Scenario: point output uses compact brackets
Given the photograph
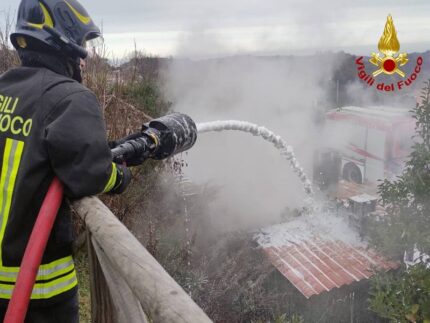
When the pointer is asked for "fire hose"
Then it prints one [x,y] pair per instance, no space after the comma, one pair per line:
[158,139]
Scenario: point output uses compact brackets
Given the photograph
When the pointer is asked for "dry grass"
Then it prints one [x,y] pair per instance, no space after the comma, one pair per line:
[8,57]
[82,269]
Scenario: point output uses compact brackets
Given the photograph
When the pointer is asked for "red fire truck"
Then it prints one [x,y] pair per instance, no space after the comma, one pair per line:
[363,145]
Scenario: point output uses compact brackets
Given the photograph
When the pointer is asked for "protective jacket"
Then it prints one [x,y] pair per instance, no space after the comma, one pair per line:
[50,125]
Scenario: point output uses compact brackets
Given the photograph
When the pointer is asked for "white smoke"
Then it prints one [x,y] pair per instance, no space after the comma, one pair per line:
[281,93]
[286,151]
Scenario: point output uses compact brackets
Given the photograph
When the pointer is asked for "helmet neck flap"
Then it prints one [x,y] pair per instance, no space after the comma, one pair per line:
[61,65]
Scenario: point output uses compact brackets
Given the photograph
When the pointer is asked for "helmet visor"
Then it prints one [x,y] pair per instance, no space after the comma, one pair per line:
[94,43]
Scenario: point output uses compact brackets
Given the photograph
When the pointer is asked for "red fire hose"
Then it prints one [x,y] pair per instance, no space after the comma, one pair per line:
[18,304]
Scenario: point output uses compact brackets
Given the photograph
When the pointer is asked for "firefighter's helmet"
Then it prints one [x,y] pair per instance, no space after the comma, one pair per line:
[61,25]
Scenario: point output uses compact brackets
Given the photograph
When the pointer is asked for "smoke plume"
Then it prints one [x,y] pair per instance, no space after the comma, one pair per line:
[281,93]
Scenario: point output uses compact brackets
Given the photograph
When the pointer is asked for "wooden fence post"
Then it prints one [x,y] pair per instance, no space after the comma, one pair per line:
[101,302]
[128,264]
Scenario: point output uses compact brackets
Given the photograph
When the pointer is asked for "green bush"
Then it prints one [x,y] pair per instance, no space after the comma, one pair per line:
[405,297]
[146,95]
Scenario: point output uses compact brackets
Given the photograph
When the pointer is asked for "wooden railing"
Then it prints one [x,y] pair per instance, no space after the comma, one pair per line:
[127,284]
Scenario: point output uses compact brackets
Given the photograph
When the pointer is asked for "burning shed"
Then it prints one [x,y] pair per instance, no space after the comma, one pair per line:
[324,265]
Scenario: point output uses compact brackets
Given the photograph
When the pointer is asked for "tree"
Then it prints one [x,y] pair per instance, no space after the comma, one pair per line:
[405,296]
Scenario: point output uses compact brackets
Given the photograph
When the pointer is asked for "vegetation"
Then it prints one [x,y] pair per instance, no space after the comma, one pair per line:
[8,57]
[147,94]
[405,297]
[82,269]
[406,200]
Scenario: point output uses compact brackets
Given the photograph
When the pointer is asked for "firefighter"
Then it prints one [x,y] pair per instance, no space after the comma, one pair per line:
[50,125]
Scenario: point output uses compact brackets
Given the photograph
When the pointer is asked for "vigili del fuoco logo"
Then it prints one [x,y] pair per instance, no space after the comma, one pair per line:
[388,62]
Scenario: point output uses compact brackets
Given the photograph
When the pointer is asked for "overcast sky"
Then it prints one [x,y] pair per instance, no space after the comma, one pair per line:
[226,27]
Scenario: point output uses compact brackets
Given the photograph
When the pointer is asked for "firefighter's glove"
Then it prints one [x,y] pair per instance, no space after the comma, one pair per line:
[123,178]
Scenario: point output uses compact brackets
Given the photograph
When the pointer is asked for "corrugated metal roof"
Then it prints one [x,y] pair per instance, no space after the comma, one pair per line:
[318,262]
[317,266]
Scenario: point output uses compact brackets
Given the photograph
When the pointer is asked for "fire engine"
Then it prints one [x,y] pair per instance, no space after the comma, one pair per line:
[362,145]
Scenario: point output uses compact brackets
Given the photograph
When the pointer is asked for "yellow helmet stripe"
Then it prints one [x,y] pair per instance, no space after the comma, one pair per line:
[84,19]
[48,19]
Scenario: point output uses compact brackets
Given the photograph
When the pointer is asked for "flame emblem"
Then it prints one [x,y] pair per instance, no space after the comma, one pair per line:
[389,45]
